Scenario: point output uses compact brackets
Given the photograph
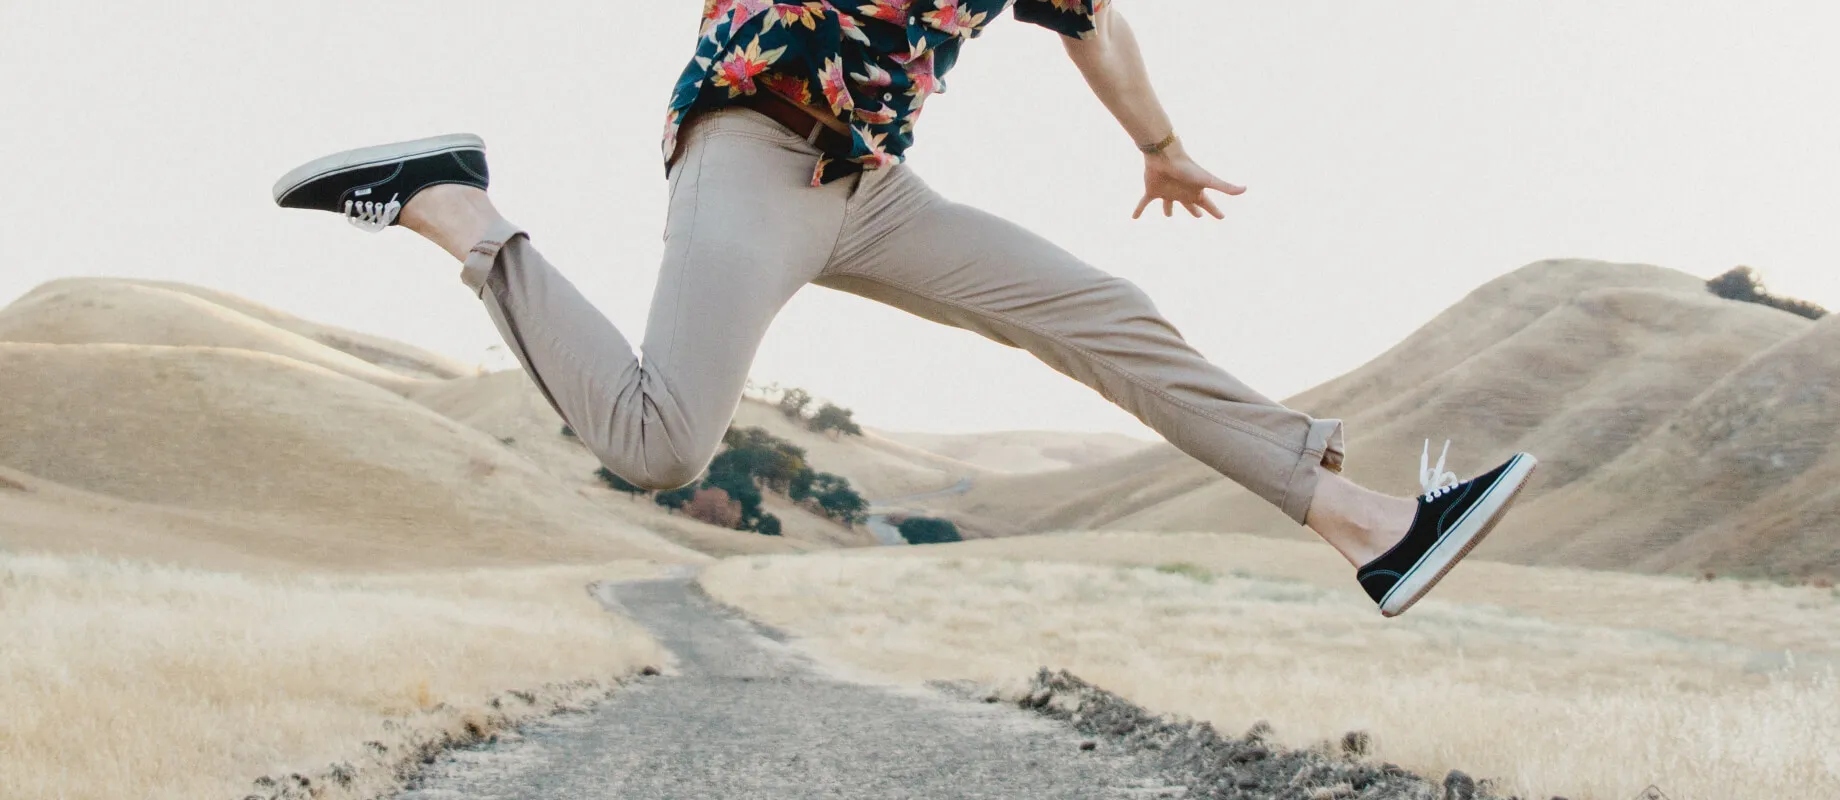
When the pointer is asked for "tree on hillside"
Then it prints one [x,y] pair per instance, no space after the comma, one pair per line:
[838,500]
[832,417]
[765,391]
[767,457]
[768,525]
[799,488]
[926,530]
[568,432]
[792,403]
[1744,284]
[618,483]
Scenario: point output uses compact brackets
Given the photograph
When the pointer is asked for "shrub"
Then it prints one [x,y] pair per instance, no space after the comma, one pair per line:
[739,486]
[768,525]
[568,432]
[926,530]
[1744,284]
[713,506]
[1194,572]
[676,498]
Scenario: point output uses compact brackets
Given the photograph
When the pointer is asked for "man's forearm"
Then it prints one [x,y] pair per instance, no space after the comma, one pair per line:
[1114,67]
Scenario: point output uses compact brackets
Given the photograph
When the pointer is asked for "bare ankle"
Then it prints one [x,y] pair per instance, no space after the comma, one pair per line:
[1388,520]
[453,216]
[1359,523]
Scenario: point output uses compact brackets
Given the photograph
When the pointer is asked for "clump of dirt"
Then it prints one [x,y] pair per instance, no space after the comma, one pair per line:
[1247,767]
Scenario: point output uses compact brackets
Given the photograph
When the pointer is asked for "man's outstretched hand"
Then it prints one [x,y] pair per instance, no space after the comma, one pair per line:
[1172,177]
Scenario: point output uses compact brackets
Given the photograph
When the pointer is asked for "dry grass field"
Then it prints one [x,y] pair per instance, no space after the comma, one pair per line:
[1553,682]
[122,680]
[367,542]
[359,541]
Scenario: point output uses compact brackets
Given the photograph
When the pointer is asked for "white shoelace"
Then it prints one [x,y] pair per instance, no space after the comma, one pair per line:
[372,216]
[1434,480]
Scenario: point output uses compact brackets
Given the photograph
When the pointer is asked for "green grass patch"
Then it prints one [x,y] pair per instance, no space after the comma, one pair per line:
[1194,572]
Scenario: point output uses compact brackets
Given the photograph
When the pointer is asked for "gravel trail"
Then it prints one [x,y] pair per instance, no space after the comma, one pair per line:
[744,715]
[887,533]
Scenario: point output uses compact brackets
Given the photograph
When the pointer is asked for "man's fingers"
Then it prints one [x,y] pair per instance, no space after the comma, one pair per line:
[1208,203]
[1169,207]
[1192,210]
[1141,205]
[1226,188]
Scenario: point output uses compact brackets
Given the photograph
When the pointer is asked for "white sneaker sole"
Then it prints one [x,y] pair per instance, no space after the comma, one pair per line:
[1460,539]
[372,156]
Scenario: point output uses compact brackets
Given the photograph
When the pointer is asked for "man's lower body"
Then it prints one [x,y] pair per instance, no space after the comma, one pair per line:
[745,231]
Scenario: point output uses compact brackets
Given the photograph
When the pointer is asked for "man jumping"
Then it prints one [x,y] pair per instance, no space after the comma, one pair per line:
[785,145]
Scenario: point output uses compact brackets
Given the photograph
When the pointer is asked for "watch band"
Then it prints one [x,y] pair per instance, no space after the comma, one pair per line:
[1153,149]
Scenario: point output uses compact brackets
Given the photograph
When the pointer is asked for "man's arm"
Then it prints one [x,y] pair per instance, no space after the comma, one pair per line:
[1114,67]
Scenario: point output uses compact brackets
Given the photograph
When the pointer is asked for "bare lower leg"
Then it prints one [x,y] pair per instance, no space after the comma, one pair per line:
[1358,522]
[451,215]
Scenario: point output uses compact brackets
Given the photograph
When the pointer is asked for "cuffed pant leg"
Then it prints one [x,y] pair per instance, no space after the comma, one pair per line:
[960,266]
[625,414]
[745,232]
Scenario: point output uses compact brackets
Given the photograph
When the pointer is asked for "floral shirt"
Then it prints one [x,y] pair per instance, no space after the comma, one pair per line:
[873,62]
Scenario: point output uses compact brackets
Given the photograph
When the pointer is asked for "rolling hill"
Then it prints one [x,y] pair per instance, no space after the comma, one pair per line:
[291,461]
[1023,451]
[1619,376]
[174,422]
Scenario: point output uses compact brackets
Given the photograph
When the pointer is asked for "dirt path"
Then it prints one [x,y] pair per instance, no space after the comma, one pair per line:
[745,715]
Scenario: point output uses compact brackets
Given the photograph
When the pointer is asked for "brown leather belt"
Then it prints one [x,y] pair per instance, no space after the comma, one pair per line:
[795,119]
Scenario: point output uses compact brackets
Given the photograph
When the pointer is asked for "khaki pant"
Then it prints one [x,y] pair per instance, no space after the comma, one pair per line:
[745,231]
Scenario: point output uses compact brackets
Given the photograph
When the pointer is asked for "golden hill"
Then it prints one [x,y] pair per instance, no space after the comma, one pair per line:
[1594,367]
[121,311]
[107,312]
[879,467]
[508,407]
[1745,477]
[175,422]
[290,461]
[1024,451]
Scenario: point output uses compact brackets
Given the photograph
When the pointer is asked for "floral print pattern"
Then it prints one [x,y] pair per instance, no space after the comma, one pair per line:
[873,62]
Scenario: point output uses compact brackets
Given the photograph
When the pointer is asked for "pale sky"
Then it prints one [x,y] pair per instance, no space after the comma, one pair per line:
[1399,155]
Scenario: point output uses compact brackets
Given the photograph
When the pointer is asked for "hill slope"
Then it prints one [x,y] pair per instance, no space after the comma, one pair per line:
[95,311]
[1746,477]
[1023,451]
[409,360]
[508,407]
[329,470]
[167,418]
[1592,366]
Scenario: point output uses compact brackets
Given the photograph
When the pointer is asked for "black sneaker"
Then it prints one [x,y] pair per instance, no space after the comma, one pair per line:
[1452,518]
[370,185]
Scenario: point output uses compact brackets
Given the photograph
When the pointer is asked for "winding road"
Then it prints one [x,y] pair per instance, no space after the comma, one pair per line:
[878,521]
[745,714]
